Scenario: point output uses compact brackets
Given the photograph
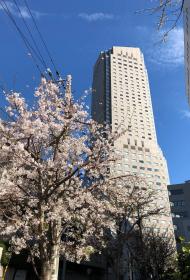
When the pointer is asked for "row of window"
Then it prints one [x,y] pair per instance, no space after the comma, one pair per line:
[140,167]
[177,203]
[143,168]
[175,227]
[145,175]
[126,58]
[183,214]
[127,63]
[145,162]
[133,89]
[176,192]
[130,79]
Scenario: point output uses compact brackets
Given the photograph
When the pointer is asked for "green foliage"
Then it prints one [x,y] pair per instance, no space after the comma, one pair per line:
[182,271]
[184,261]
[6,254]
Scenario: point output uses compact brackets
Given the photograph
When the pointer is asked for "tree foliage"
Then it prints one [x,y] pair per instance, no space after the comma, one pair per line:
[183,267]
[137,249]
[58,190]
[54,169]
[5,255]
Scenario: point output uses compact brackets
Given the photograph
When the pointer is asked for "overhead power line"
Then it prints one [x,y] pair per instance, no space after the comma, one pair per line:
[25,40]
[33,48]
[30,33]
[42,39]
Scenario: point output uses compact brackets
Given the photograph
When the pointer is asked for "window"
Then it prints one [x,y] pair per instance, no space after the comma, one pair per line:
[179,203]
[176,192]
[183,214]
[175,227]
[188,228]
[180,214]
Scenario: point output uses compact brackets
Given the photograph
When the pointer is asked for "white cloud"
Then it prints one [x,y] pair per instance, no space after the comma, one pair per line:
[24,11]
[96,16]
[170,52]
[166,54]
[186,114]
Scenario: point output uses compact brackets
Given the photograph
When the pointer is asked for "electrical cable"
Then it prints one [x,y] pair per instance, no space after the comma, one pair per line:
[30,33]
[42,39]
[27,44]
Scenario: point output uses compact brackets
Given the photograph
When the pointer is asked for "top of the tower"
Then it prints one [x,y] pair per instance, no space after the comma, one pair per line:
[128,51]
[132,52]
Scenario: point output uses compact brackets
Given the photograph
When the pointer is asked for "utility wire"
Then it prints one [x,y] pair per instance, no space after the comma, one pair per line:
[30,33]
[42,39]
[27,44]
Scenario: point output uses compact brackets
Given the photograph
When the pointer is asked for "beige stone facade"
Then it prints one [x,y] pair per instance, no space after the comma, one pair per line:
[121,97]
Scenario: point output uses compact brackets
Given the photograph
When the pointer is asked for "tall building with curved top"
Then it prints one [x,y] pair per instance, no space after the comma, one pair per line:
[121,97]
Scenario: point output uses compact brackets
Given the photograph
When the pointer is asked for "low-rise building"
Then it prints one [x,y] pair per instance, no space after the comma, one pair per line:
[179,196]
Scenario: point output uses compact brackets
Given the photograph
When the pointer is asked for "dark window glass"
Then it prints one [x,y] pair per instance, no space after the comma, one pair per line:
[176,192]
[188,228]
[181,214]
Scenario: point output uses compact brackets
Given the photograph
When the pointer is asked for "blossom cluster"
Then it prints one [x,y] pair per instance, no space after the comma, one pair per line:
[56,187]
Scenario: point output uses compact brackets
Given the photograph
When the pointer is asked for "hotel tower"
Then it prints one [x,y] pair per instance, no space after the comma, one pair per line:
[121,97]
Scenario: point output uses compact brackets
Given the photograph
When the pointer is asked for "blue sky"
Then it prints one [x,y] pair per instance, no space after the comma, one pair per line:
[76,31]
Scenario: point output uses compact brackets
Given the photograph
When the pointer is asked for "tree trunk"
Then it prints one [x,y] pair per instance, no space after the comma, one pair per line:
[50,268]
[55,263]
[45,271]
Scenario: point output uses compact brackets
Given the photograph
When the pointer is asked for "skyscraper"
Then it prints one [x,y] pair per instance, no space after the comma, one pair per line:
[186,24]
[121,97]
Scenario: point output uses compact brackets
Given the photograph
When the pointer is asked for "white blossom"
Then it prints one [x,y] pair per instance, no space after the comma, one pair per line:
[55,184]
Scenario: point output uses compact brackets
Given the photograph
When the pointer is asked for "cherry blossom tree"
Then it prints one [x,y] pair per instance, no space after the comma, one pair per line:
[59,193]
[132,220]
[169,13]
[54,177]
[153,254]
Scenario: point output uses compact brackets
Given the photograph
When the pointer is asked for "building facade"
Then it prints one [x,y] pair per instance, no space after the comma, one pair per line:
[121,97]
[186,24]
[179,196]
